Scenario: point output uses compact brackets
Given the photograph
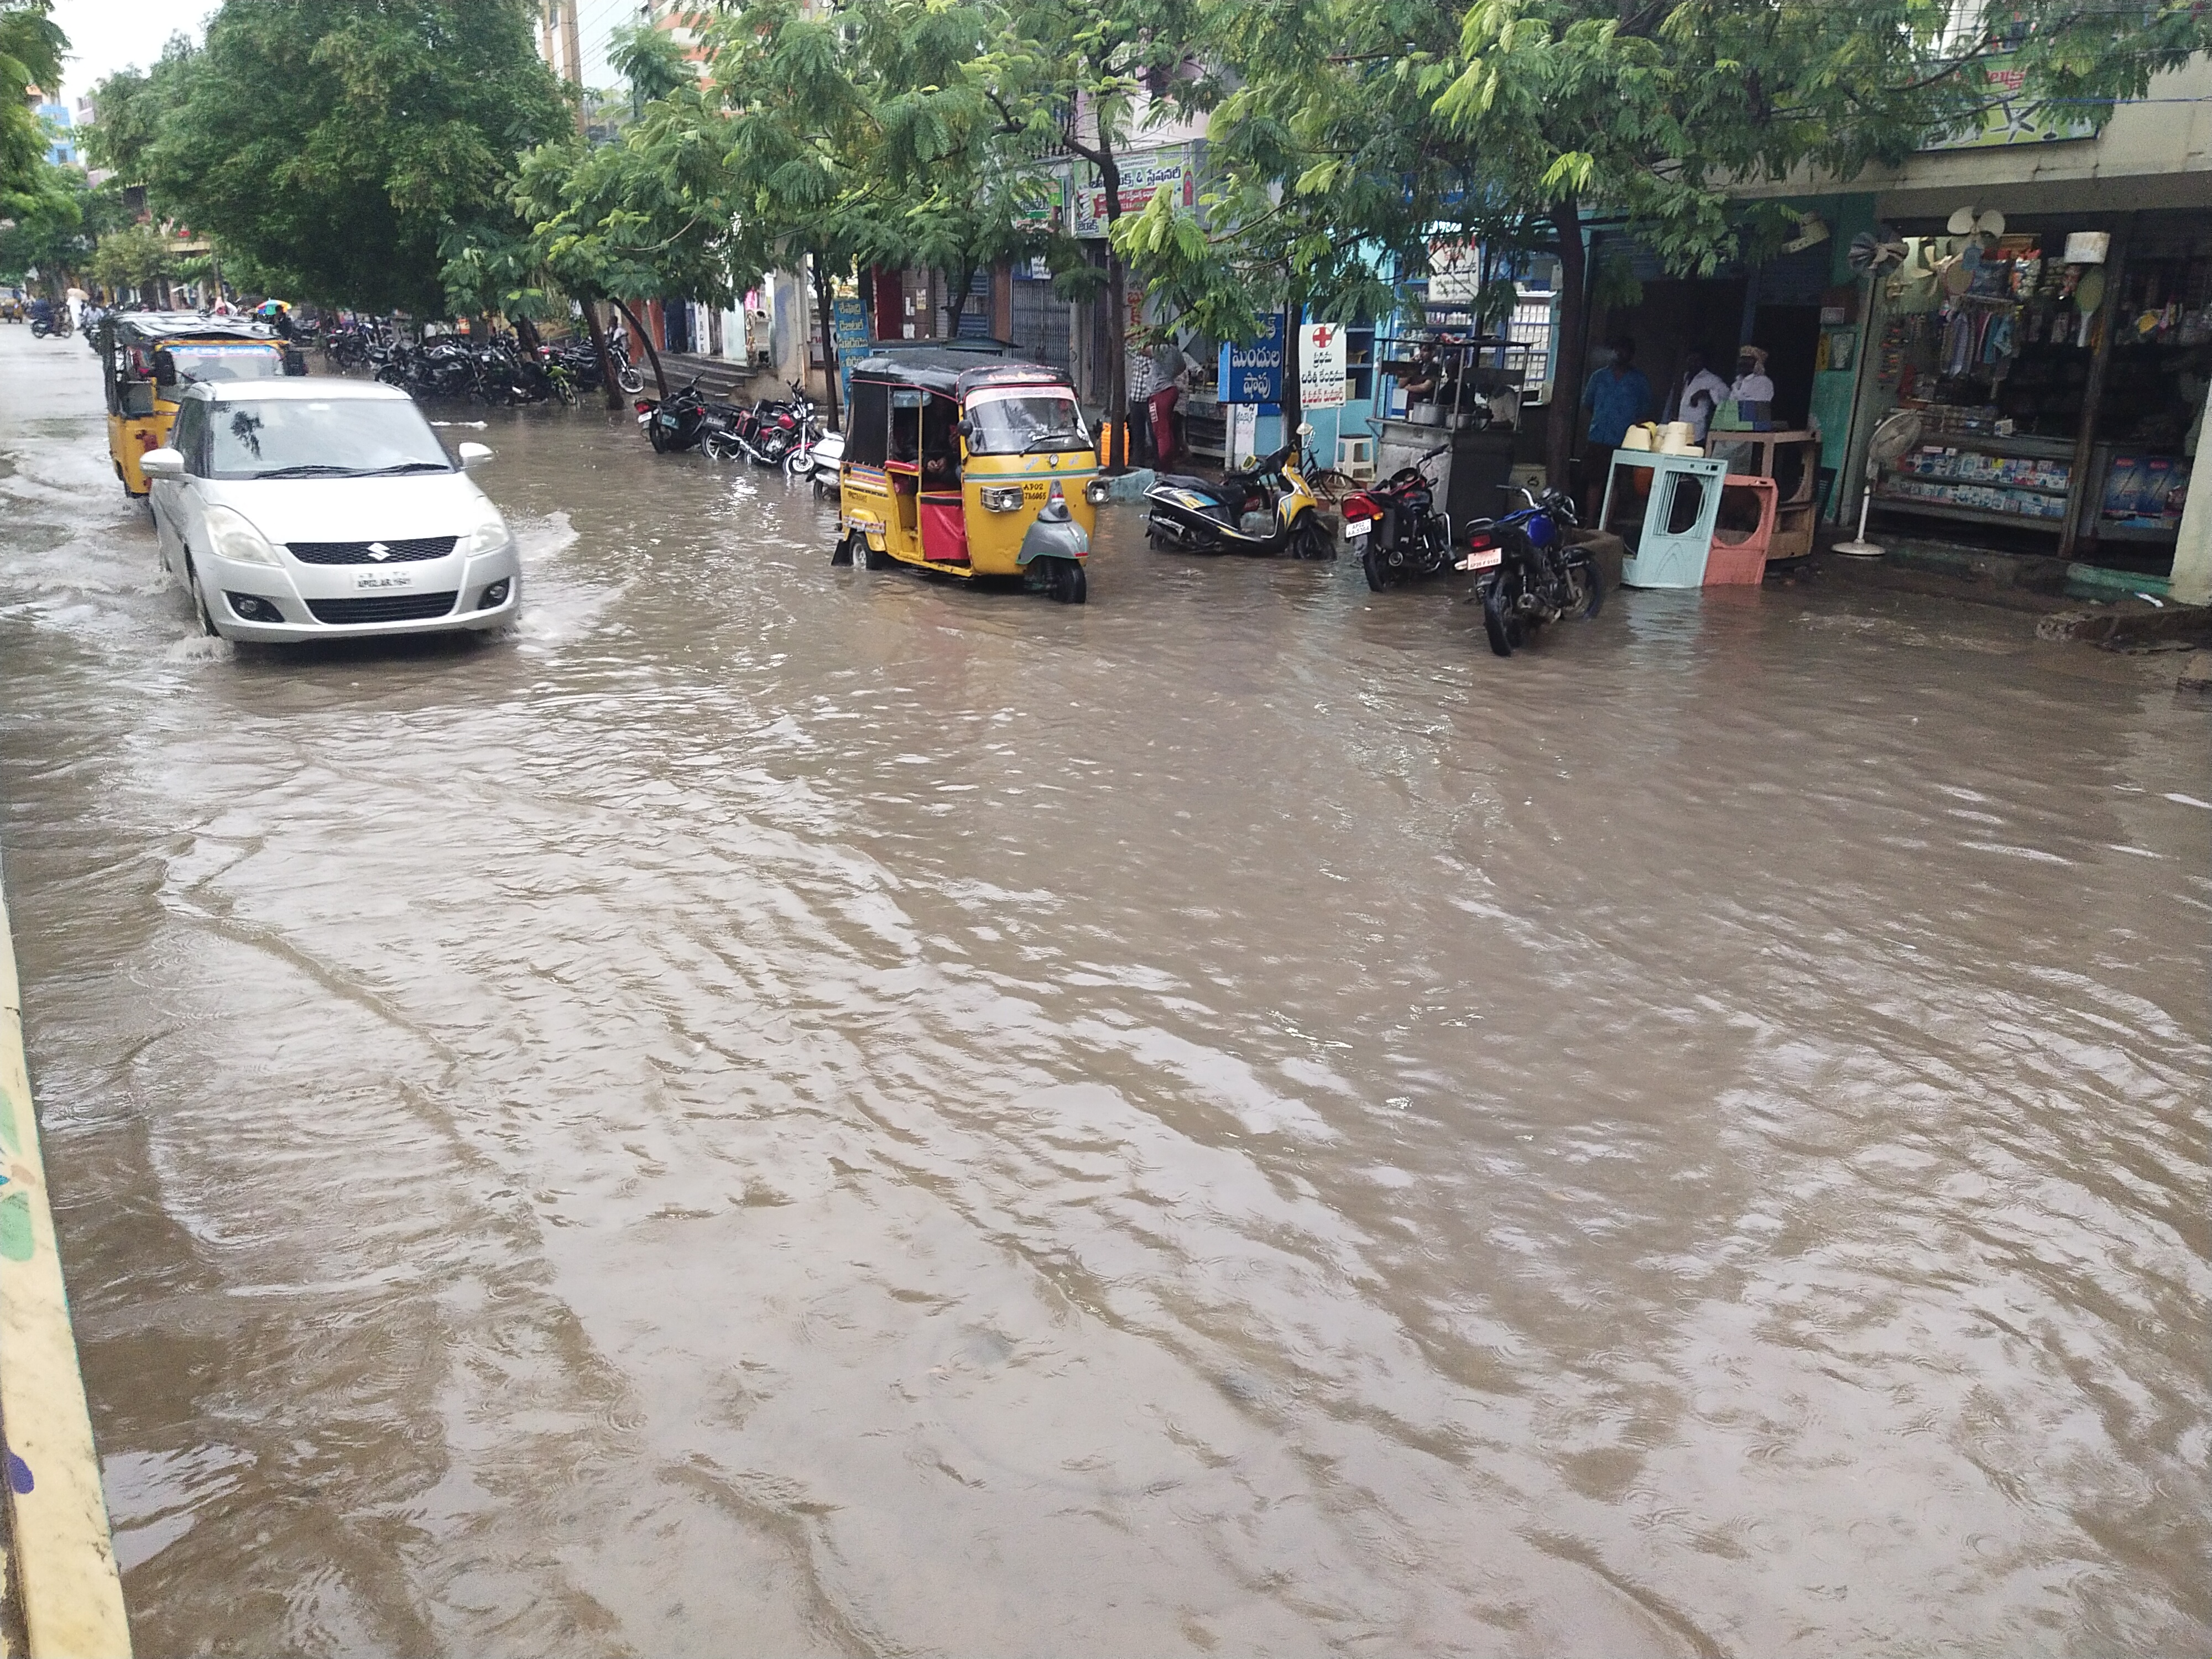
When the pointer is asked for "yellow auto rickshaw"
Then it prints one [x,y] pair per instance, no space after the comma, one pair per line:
[974,467]
[149,357]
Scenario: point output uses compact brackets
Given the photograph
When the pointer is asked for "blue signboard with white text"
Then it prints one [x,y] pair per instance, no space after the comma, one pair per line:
[1253,373]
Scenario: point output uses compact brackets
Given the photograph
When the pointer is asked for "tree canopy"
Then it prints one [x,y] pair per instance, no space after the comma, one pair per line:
[336,144]
[31,48]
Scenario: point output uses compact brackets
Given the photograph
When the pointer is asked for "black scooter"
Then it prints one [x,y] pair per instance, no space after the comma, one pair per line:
[1267,511]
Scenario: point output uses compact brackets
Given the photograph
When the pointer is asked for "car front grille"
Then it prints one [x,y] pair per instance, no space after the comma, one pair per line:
[384,608]
[422,547]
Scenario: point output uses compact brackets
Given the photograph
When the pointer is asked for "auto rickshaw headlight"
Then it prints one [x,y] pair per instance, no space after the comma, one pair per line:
[1097,491]
[1003,500]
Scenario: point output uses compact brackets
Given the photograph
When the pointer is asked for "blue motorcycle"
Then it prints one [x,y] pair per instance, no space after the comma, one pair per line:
[1526,574]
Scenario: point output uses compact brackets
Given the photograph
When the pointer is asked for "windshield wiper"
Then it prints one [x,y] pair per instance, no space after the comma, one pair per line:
[1058,436]
[312,470]
[405,466]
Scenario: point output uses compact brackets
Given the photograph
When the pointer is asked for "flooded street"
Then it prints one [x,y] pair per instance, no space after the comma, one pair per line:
[783,1110]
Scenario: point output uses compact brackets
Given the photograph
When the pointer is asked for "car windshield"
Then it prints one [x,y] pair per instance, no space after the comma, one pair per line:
[1026,424]
[227,362]
[301,438]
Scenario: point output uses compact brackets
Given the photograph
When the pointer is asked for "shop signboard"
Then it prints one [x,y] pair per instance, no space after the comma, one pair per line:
[1043,201]
[1142,174]
[1253,373]
[848,326]
[2011,119]
[1321,366]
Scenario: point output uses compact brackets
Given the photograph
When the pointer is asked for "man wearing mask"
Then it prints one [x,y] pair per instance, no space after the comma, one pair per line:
[1618,396]
[1752,385]
[1697,394]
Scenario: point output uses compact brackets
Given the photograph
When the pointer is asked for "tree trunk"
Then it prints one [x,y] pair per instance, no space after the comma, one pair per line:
[1291,403]
[645,339]
[608,384]
[1116,460]
[1568,344]
[826,307]
[956,300]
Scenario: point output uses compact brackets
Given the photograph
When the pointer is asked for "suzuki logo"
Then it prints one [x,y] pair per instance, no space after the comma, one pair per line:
[379,551]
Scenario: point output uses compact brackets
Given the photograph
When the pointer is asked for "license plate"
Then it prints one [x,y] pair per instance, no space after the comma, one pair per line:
[1035,490]
[670,420]
[383,581]
[1484,558]
[1359,527]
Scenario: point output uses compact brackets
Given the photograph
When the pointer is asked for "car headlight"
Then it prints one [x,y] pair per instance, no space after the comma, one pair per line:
[489,536]
[232,536]
[1007,499]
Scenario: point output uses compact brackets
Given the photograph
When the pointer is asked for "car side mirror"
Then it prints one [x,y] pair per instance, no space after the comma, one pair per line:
[473,456]
[162,463]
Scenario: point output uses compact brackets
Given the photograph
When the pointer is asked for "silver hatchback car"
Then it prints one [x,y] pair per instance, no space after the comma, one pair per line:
[296,510]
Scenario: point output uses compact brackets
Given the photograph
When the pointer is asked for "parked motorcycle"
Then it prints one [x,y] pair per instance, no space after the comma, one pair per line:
[1401,536]
[1526,574]
[677,423]
[1268,511]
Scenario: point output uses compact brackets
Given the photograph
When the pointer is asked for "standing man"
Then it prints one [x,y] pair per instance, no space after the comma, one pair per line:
[1752,384]
[1697,394]
[1618,396]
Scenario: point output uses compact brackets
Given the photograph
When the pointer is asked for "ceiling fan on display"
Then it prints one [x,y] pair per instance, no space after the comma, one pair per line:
[1876,252]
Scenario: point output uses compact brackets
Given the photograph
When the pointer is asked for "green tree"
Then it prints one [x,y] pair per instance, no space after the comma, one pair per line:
[131,105]
[31,49]
[136,256]
[338,145]
[56,222]
[1086,76]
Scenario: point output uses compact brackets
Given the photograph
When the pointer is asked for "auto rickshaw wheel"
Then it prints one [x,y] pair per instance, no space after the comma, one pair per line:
[877,558]
[1067,583]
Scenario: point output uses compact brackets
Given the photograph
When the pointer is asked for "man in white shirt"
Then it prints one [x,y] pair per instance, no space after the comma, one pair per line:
[1752,385]
[1697,393]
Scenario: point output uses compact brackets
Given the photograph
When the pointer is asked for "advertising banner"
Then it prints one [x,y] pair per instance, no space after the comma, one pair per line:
[1142,174]
[1253,373]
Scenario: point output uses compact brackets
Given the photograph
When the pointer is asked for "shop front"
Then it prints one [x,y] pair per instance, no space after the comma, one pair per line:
[2037,382]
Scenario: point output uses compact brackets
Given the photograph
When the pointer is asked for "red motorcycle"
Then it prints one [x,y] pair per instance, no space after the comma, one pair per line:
[1401,536]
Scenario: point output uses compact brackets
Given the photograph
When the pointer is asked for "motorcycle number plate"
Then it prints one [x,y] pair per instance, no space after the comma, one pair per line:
[1483,558]
[1359,527]
[670,420]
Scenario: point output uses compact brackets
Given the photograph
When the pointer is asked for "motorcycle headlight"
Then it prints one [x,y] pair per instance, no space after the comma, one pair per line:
[491,535]
[232,536]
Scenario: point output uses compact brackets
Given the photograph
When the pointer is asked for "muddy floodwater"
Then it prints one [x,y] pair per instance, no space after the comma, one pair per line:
[781,1110]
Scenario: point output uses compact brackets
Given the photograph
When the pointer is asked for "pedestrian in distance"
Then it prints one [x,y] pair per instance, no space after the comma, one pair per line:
[1697,394]
[1618,396]
[1752,384]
